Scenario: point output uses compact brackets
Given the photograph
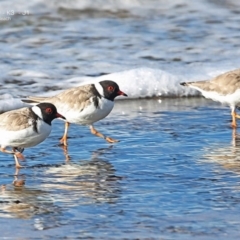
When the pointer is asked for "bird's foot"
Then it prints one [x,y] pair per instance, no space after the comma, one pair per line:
[111,140]
[17,165]
[63,141]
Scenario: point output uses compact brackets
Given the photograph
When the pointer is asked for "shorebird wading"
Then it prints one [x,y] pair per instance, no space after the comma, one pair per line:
[26,127]
[224,88]
[84,105]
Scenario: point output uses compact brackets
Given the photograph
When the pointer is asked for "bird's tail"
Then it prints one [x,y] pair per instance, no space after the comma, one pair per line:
[185,84]
[33,100]
[194,84]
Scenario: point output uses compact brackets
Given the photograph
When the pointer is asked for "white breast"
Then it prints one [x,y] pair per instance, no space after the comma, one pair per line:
[89,114]
[26,137]
[232,99]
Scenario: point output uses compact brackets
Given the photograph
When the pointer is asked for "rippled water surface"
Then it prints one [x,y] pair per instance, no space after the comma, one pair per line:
[43,43]
[174,174]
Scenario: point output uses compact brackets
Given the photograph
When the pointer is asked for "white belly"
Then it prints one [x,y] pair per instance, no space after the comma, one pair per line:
[88,115]
[232,99]
[26,137]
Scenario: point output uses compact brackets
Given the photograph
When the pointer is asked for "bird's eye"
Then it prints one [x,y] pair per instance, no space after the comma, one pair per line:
[110,88]
[48,110]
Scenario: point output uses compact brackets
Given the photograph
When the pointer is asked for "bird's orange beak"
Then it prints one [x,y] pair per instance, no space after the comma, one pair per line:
[122,93]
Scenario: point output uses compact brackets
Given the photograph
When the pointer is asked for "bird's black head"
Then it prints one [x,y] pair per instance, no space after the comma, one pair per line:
[49,112]
[111,90]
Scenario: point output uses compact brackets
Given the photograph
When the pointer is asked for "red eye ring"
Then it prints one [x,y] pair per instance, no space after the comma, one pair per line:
[48,110]
[110,88]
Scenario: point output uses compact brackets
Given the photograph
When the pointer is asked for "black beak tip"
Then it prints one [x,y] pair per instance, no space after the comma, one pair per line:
[120,93]
[58,115]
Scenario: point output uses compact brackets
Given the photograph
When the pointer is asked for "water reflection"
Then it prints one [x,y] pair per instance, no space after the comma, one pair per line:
[94,179]
[64,186]
[228,156]
[25,202]
[128,109]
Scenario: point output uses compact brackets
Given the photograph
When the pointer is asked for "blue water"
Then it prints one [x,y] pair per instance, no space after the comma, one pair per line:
[173,175]
[175,172]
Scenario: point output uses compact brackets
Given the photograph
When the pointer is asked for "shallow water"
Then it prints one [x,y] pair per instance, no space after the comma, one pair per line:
[174,174]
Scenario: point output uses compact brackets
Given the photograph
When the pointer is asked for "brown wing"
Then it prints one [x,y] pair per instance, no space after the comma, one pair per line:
[225,83]
[74,98]
[16,119]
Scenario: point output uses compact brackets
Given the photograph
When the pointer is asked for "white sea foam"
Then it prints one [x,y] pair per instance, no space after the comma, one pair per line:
[143,83]
[136,83]
[189,40]
[8,102]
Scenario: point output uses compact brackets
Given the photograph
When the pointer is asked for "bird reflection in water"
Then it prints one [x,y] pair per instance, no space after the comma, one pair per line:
[18,182]
[25,203]
[94,179]
[228,156]
[71,184]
